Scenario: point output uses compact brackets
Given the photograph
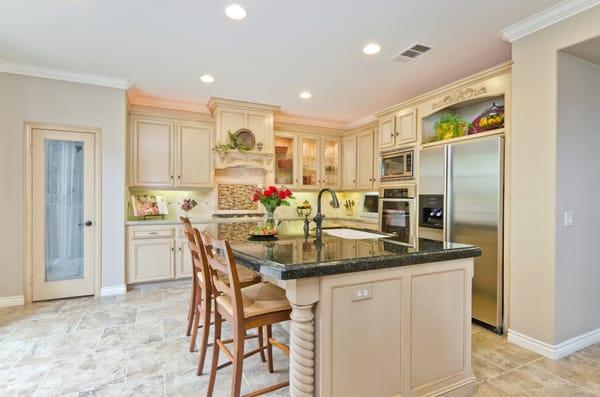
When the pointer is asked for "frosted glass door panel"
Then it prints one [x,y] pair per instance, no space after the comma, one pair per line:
[64,210]
[63,217]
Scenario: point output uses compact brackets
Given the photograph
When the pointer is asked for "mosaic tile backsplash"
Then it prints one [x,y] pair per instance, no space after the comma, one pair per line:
[237,197]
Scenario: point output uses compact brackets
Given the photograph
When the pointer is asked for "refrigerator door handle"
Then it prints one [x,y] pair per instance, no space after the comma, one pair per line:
[448,194]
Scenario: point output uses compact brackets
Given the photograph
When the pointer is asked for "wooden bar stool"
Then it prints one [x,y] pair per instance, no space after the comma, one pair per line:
[259,305]
[247,277]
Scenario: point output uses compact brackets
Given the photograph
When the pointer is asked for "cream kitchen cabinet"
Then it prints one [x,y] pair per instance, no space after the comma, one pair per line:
[360,161]
[170,153]
[365,160]
[350,162]
[398,129]
[406,126]
[319,161]
[151,260]
[157,253]
[387,134]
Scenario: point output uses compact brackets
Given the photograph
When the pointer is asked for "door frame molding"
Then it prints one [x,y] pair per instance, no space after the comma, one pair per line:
[28,211]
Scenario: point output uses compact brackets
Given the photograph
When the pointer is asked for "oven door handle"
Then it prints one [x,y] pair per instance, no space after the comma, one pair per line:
[397,200]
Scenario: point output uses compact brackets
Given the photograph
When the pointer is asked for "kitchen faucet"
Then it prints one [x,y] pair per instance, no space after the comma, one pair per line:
[319,216]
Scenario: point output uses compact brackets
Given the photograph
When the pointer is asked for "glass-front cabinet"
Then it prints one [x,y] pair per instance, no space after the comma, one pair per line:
[330,164]
[286,160]
[309,162]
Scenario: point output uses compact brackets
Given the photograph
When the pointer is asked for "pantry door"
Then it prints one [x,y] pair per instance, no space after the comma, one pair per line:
[63,214]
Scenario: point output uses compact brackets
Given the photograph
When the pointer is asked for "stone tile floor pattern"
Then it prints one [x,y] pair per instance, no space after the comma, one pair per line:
[134,345]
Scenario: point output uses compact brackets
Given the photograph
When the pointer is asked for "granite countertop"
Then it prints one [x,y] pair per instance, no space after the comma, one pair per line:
[292,256]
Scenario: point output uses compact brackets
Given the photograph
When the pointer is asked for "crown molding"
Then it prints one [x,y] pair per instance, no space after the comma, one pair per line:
[362,123]
[283,119]
[545,18]
[63,75]
[138,99]
[215,102]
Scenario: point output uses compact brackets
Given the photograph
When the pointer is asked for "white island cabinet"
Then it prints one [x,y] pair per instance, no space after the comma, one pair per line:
[372,317]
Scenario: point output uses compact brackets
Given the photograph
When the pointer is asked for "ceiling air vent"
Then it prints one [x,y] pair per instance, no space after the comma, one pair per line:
[411,53]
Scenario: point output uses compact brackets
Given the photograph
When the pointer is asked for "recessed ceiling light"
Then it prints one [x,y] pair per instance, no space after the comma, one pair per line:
[372,49]
[207,78]
[236,11]
[305,95]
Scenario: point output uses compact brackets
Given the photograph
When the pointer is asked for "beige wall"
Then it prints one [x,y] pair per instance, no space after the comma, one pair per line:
[578,189]
[27,99]
[533,278]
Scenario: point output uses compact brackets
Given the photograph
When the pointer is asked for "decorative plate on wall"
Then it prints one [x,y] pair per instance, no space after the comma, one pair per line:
[246,137]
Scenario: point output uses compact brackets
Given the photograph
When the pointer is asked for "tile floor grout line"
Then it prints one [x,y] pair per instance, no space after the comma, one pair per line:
[567,380]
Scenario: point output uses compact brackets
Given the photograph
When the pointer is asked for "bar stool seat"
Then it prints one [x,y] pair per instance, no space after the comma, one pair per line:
[258,299]
[247,276]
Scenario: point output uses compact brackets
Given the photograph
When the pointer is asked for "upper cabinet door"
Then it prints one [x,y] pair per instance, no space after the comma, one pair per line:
[261,126]
[364,158]
[152,153]
[309,162]
[330,163]
[350,163]
[406,126]
[286,160]
[386,132]
[194,155]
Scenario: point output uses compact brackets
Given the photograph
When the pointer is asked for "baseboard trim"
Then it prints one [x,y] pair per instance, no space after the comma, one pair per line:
[17,300]
[558,351]
[114,290]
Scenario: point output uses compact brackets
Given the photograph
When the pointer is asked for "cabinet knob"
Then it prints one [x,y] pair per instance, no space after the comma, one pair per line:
[178,176]
[171,176]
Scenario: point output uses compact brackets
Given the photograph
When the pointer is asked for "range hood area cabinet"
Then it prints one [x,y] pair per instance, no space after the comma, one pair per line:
[232,116]
[398,129]
[307,162]
[360,161]
[170,153]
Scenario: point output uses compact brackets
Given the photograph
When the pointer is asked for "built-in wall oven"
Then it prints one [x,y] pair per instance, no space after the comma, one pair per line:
[397,166]
[397,212]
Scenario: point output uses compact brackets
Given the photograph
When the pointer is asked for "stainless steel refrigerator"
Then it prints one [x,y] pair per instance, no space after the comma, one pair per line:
[467,180]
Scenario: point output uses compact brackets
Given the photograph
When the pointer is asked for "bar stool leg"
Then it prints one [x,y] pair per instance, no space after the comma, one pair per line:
[261,344]
[269,334]
[215,356]
[191,309]
[196,319]
[239,340]
[204,338]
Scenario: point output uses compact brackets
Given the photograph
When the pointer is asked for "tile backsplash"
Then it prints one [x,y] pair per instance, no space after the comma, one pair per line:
[208,203]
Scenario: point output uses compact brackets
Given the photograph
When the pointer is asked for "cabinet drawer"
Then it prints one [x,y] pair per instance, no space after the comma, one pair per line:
[153,233]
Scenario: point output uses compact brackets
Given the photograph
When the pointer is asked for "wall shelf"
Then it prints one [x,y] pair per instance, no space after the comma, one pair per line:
[498,131]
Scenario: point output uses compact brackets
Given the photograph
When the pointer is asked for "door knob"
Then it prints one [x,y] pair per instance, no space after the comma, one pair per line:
[88,223]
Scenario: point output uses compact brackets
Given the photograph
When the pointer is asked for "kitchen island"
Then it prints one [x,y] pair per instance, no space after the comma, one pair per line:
[370,316]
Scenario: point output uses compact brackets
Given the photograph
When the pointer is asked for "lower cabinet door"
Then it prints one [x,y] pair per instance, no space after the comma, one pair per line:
[151,260]
[183,264]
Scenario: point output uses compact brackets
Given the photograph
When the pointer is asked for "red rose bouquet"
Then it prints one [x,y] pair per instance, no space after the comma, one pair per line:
[271,198]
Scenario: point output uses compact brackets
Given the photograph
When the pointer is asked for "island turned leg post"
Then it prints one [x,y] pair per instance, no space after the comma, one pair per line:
[302,348]
[303,294]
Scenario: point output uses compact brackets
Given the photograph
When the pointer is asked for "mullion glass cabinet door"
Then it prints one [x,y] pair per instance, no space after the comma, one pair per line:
[330,175]
[309,168]
[285,161]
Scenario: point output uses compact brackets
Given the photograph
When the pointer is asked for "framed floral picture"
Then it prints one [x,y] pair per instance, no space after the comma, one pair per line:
[146,205]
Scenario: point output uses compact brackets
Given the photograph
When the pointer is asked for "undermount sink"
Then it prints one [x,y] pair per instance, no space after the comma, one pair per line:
[352,234]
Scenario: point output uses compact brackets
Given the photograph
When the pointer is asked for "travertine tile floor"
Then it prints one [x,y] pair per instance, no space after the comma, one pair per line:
[134,345]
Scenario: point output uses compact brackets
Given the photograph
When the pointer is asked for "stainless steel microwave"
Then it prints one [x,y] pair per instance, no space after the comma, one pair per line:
[397,165]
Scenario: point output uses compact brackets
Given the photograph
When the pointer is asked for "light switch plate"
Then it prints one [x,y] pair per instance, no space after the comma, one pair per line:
[362,292]
[569,218]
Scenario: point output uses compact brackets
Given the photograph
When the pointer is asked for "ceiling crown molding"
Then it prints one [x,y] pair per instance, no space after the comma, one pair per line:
[545,18]
[63,75]
[137,98]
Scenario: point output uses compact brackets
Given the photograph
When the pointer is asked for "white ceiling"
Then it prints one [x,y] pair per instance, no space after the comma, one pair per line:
[282,48]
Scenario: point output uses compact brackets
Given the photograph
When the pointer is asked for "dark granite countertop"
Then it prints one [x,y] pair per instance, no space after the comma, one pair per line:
[292,256]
